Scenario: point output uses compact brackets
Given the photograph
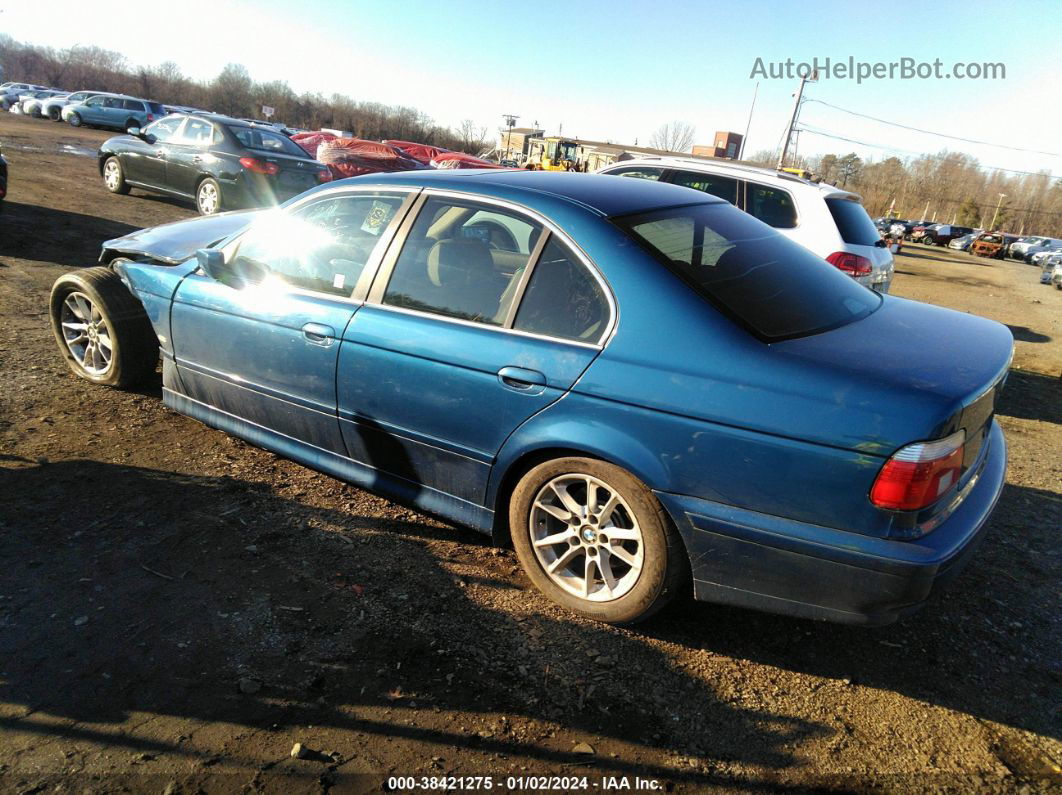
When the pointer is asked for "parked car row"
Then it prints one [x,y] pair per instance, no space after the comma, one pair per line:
[85,107]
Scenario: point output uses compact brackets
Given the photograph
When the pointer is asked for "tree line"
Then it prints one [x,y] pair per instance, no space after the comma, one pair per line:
[946,187]
[232,92]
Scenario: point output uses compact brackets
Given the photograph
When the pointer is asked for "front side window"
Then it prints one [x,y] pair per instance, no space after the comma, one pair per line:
[462,260]
[95,102]
[324,246]
[562,298]
[113,102]
[723,187]
[773,206]
[764,281]
[165,129]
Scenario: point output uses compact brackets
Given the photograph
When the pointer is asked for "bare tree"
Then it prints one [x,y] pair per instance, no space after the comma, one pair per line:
[473,139]
[677,136]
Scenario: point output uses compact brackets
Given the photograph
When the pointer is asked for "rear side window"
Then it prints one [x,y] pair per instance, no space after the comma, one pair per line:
[766,282]
[773,206]
[132,104]
[451,263]
[562,298]
[723,187]
[265,141]
[640,173]
[853,222]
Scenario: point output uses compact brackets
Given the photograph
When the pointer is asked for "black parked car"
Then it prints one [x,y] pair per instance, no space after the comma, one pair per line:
[3,179]
[219,162]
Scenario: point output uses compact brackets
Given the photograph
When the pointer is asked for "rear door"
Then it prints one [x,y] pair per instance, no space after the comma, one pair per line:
[267,353]
[295,171]
[453,351]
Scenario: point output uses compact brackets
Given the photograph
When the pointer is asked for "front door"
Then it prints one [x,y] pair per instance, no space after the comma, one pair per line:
[439,367]
[186,155]
[267,353]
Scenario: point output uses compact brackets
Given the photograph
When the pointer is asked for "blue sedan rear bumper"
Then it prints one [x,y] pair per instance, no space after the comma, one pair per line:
[749,559]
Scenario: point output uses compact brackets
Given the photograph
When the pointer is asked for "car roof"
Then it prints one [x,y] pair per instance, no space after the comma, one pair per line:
[606,195]
[768,176]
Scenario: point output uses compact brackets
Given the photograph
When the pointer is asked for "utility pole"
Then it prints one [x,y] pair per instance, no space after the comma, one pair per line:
[510,121]
[996,214]
[748,124]
[813,77]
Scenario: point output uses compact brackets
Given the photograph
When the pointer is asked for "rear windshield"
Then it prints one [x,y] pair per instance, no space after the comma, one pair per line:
[774,287]
[157,109]
[853,223]
[265,141]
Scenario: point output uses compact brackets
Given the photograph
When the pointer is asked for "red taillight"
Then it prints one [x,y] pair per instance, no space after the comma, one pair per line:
[151,117]
[259,166]
[852,264]
[919,474]
[324,175]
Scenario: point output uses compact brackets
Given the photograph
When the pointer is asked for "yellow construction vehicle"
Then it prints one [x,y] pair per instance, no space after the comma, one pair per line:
[559,154]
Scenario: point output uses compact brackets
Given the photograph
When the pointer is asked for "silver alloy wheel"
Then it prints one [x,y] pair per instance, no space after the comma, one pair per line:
[112,174]
[86,334]
[207,198]
[586,537]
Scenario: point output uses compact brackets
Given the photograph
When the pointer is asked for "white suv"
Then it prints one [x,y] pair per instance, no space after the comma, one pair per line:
[826,220]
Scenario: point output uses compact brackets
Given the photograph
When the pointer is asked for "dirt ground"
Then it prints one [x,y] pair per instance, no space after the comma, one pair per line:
[177,608]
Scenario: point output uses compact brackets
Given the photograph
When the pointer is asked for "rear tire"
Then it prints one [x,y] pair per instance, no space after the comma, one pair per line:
[114,176]
[614,556]
[208,197]
[101,328]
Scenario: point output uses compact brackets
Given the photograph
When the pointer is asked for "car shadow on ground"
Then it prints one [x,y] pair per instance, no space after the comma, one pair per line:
[1031,396]
[154,599]
[1026,334]
[56,236]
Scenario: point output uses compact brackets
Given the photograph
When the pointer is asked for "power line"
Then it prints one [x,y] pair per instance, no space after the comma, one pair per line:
[931,132]
[805,128]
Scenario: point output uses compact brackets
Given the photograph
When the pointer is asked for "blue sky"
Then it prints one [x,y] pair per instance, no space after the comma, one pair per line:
[616,70]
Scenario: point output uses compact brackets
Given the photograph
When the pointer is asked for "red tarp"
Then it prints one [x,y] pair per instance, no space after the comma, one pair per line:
[310,141]
[351,157]
[423,153]
[461,160]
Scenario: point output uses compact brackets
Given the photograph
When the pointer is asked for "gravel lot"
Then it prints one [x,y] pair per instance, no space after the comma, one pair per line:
[177,608]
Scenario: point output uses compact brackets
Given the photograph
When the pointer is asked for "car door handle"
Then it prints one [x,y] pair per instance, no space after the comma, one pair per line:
[319,334]
[197,159]
[160,153]
[521,379]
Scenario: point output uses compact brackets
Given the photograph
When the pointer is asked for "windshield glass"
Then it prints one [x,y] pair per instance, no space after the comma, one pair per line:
[774,287]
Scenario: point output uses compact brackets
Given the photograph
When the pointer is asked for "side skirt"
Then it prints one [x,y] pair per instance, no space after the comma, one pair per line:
[407,492]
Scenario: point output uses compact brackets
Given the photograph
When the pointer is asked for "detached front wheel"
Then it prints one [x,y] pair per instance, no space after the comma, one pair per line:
[594,539]
[102,330]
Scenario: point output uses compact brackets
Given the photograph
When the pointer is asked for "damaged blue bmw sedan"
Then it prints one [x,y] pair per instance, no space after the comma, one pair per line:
[638,386]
